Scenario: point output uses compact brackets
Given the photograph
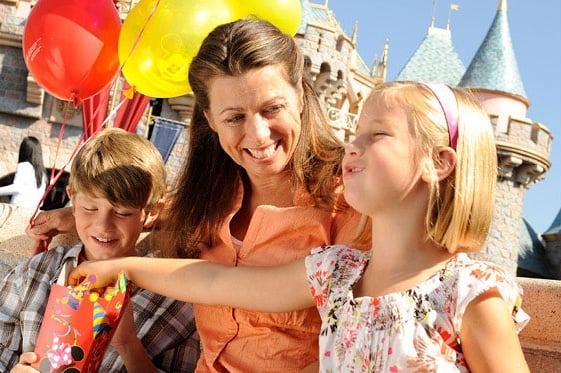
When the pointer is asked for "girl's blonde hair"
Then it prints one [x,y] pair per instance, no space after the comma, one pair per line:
[122,167]
[461,206]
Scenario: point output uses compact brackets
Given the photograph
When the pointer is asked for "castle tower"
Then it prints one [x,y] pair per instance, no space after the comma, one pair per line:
[552,239]
[340,76]
[523,146]
[435,60]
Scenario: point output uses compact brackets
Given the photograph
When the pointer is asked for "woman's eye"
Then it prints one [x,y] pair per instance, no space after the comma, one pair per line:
[234,120]
[274,109]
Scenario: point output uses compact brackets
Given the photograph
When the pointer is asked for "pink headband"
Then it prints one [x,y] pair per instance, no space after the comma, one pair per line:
[447,101]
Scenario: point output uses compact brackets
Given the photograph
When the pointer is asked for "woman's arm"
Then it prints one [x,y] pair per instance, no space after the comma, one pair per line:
[48,224]
[488,336]
[266,289]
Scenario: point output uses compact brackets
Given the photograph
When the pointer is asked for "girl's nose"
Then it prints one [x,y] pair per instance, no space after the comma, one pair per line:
[351,149]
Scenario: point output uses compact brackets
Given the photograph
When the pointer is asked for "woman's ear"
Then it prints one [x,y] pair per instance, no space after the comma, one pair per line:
[208,120]
[153,214]
[442,166]
[300,96]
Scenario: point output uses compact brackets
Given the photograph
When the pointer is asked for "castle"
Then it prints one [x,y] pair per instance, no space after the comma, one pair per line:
[342,80]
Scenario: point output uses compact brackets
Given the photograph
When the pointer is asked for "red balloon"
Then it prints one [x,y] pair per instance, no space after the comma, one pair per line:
[71,46]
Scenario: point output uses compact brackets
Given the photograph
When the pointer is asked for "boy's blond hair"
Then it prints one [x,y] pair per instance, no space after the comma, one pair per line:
[122,167]
[461,206]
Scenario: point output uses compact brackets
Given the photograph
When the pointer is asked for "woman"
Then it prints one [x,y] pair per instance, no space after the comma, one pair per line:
[261,186]
[30,179]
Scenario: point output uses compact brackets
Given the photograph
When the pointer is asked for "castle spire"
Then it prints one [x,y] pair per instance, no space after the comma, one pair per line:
[383,69]
[494,66]
[502,5]
[354,38]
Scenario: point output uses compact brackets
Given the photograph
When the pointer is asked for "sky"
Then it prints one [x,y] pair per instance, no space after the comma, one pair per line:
[535,29]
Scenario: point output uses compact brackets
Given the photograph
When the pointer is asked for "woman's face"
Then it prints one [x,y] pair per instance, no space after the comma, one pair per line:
[257,119]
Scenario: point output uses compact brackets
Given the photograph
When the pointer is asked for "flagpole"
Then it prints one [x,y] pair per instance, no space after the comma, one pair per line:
[452,7]
[433,12]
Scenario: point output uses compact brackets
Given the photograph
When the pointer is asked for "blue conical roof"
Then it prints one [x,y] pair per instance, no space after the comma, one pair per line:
[307,16]
[494,65]
[555,227]
[531,255]
[434,60]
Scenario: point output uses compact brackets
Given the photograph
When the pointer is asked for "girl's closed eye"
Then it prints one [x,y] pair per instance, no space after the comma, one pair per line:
[378,134]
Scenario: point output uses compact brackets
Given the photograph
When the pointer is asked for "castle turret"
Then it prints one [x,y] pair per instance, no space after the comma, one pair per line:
[552,239]
[434,60]
[523,146]
[333,65]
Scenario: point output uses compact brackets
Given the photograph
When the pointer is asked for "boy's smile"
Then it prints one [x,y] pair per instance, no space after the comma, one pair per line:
[105,229]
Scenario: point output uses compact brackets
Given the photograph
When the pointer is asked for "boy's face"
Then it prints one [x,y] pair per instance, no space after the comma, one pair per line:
[106,230]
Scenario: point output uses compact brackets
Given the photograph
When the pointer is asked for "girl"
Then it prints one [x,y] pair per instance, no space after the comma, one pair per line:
[30,179]
[415,301]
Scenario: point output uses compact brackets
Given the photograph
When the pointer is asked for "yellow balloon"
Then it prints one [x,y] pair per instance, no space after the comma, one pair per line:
[285,14]
[159,38]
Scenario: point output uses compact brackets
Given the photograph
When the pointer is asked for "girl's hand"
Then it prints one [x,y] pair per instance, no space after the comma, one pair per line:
[105,272]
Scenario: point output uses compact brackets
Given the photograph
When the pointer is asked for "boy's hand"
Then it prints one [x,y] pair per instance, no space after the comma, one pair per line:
[25,361]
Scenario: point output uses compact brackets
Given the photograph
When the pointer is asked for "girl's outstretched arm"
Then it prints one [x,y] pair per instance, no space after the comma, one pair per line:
[266,289]
[488,337]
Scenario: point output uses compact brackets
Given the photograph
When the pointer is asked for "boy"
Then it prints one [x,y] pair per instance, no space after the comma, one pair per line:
[117,185]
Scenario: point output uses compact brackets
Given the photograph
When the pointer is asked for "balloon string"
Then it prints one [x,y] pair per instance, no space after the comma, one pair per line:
[134,44]
[113,112]
[55,177]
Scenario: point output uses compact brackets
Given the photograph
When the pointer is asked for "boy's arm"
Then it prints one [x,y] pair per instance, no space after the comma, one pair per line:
[488,336]
[266,289]
[129,347]
[11,336]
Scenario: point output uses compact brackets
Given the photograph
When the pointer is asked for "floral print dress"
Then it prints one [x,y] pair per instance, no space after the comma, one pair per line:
[411,331]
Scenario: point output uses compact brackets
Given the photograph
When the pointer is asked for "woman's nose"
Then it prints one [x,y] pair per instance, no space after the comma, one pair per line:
[260,128]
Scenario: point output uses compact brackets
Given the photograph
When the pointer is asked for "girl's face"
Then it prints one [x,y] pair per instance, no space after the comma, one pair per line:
[257,119]
[106,230]
[380,168]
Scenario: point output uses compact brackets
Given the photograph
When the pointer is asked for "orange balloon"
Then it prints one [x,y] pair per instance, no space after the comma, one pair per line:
[159,39]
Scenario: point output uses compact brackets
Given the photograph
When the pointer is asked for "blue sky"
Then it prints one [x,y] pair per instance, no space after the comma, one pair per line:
[535,29]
